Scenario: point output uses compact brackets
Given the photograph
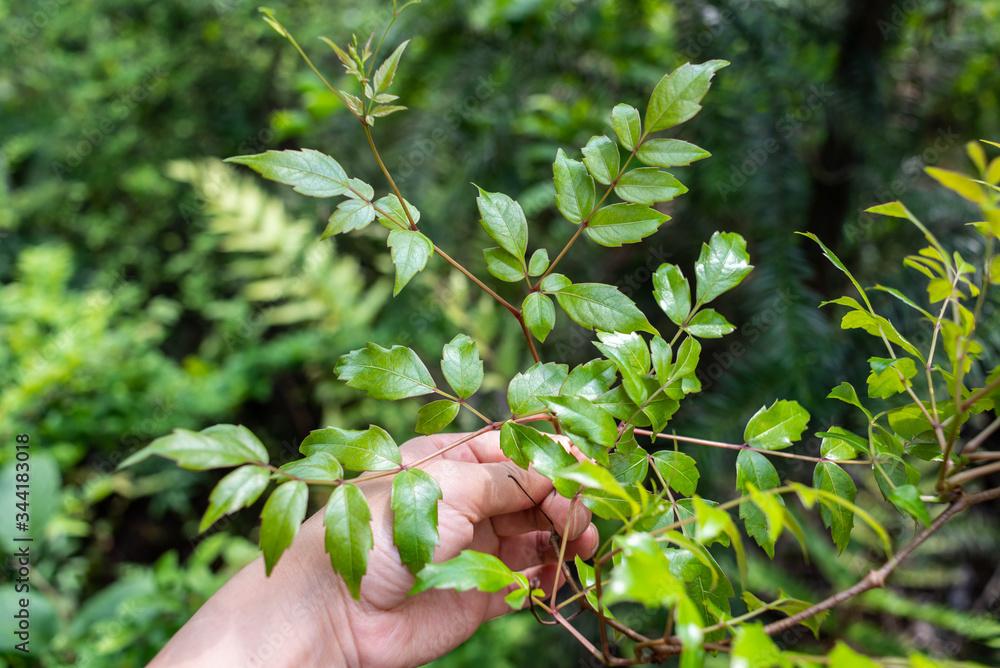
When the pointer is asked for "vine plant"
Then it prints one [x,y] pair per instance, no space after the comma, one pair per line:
[659,554]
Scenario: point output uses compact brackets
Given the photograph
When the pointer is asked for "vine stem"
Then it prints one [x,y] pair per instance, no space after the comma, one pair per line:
[734,446]
[972,474]
[876,579]
[980,438]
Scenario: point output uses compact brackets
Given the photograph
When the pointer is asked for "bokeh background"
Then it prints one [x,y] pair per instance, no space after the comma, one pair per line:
[145,286]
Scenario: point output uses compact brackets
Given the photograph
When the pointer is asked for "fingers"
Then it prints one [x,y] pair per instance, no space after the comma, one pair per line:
[554,507]
[535,549]
[482,491]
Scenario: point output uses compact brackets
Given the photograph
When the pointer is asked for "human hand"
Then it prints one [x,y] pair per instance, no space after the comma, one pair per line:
[481,509]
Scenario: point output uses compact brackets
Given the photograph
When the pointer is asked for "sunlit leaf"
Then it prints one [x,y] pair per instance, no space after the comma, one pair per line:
[309,172]
[395,373]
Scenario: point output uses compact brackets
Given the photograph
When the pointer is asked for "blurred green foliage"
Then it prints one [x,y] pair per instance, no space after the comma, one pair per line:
[145,287]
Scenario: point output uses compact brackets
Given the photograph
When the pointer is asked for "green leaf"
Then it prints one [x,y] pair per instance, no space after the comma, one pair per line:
[554,283]
[410,252]
[878,327]
[317,466]
[793,606]
[589,380]
[504,221]
[601,158]
[617,402]
[754,472]
[672,292]
[836,262]
[630,468]
[631,356]
[539,314]
[435,416]
[383,110]
[588,425]
[662,357]
[358,450]
[843,656]
[620,224]
[711,524]
[675,98]
[838,443]
[661,407]
[387,70]
[503,265]
[906,498]
[395,373]
[575,195]
[689,624]
[280,520]
[721,266]
[469,570]
[708,324]
[462,367]
[351,214]
[958,183]
[219,446]
[644,575]
[309,172]
[845,392]
[752,648]
[669,153]
[688,356]
[525,446]
[391,214]
[884,380]
[678,470]
[600,306]
[538,379]
[597,477]
[838,518]
[415,496]
[238,489]
[538,263]
[704,580]
[627,126]
[348,538]
[648,185]
[775,428]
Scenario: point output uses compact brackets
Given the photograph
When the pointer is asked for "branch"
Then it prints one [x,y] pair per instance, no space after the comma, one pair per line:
[979,438]
[734,446]
[876,578]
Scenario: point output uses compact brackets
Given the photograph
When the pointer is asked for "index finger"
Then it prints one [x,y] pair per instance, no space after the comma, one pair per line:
[482,490]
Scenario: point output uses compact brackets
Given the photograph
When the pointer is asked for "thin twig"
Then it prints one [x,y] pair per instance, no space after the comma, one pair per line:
[980,438]
[876,578]
[734,446]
